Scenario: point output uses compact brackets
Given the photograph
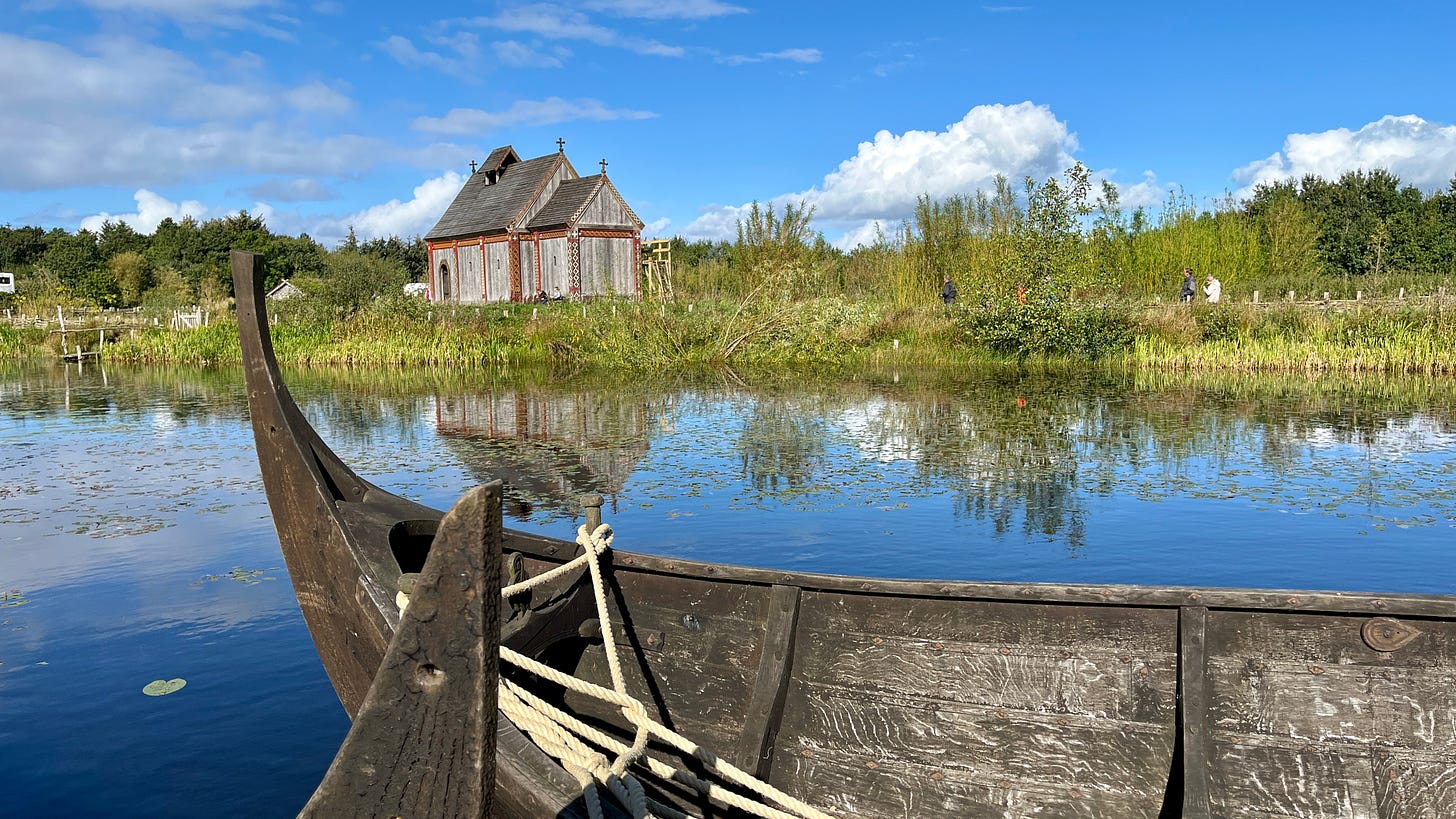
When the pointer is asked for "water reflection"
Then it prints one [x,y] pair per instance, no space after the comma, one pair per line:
[1019,457]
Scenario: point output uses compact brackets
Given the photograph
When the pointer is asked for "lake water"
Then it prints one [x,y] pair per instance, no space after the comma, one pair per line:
[136,545]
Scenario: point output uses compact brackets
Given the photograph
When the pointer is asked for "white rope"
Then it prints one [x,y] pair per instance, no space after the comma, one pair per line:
[564,737]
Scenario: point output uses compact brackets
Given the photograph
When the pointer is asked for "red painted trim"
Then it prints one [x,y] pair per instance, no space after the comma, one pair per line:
[536,246]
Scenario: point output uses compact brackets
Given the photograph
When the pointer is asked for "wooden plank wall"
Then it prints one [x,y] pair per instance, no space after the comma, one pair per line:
[605,210]
[553,265]
[498,272]
[1310,721]
[471,274]
[915,708]
[606,266]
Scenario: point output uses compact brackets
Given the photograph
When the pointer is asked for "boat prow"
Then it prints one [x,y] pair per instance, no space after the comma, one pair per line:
[905,698]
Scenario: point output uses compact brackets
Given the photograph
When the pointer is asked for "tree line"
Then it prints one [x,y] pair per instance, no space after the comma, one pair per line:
[1059,238]
[184,262]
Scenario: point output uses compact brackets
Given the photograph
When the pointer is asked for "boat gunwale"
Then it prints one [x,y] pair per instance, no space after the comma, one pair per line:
[1119,595]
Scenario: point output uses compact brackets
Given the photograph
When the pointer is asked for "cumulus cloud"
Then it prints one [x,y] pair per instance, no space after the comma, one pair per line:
[1419,152]
[656,228]
[882,181]
[411,217]
[470,121]
[151,210]
[395,218]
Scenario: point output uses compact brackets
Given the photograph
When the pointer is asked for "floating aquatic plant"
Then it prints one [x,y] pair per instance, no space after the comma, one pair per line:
[159,688]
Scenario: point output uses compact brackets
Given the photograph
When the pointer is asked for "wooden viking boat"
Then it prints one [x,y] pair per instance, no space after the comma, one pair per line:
[897,698]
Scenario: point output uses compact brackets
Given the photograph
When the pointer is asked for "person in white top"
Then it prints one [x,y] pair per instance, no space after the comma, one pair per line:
[1212,289]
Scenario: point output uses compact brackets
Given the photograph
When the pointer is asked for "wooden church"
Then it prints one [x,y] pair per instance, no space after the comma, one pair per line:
[519,228]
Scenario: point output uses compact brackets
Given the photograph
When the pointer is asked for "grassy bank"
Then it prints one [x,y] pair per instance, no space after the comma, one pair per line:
[833,332]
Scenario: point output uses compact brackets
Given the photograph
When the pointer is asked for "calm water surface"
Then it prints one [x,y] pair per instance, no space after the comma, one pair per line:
[135,543]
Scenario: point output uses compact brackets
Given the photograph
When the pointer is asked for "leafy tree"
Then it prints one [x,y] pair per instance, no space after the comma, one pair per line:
[118,237]
[773,250]
[169,291]
[412,255]
[21,247]
[71,258]
[352,280]
[289,257]
[1292,238]
[131,274]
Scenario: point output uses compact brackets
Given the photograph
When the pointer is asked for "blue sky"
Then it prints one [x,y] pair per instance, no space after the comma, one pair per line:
[323,115]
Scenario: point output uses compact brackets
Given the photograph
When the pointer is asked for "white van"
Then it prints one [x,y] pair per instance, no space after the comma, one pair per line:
[7,282]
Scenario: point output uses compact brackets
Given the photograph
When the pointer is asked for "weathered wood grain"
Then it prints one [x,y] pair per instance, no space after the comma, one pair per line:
[847,785]
[1193,722]
[1277,780]
[766,701]
[423,743]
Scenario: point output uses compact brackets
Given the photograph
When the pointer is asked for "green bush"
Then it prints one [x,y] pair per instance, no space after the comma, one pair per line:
[1050,329]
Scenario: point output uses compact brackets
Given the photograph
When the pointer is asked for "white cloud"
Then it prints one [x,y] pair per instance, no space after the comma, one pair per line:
[886,175]
[292,190]
[793,55]
[1419,152]
[559,23]
[317,98]
[128,113]
[520,55]
[1149,193]
[462,59]
[151,210]
[660,10]
[472,121]
[395,218]
[656,228]
[245,15]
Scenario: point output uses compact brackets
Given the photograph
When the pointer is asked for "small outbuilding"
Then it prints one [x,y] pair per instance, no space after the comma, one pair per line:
[7,282]
[284,290]
[522,227]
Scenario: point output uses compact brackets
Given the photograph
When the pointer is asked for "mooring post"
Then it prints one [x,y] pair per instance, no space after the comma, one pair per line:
[593,505]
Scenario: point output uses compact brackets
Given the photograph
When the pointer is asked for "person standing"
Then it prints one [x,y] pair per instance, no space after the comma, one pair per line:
[948,291]
[1186,294]
[1212,289]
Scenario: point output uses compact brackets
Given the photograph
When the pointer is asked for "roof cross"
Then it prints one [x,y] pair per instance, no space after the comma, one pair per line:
[560,145]
[472,167]
[604,167]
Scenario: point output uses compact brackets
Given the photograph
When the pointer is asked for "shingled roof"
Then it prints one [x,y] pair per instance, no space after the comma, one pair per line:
[482,208]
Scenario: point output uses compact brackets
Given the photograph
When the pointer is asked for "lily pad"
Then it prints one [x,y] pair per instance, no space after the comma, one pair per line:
[158,688]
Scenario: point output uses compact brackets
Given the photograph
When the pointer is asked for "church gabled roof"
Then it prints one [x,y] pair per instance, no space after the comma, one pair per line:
[572,198]
[483,207]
